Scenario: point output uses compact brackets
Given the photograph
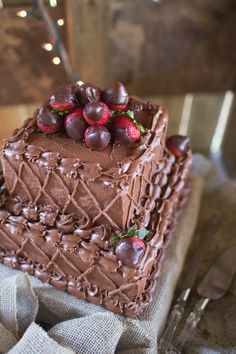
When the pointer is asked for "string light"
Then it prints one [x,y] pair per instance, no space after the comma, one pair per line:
[53,3]
[60,22]
[56,60]
[21,13]
[60,55]
[79,83]
[47,46]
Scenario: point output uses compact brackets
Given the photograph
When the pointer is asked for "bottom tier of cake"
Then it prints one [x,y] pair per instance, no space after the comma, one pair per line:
[51,246]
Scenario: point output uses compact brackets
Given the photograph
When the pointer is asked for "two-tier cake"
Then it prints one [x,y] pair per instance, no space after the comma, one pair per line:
[91,195]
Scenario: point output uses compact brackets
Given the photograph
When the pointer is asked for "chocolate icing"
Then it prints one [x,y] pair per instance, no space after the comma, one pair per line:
[64,204]
[67,175]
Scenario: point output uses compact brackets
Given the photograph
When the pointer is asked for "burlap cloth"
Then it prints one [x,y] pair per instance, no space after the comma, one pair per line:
[36,318]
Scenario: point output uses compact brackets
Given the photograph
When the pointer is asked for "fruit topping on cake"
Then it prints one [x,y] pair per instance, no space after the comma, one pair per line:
[125,130]
[96,113]
[130,248]
[75,125]
[97,137]
[48,122]
[86,106]
[178,144]
[63,99]
[116,96]
[87,93]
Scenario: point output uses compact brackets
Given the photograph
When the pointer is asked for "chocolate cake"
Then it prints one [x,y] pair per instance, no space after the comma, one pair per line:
[91,193]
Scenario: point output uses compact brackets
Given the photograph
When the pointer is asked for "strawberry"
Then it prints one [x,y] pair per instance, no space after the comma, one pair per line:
[116,96]
[97,137]
[96,113]
[48,122]
[178,144]
[75,125]
[63,99]
[130,250]
[125,130]
[87,93]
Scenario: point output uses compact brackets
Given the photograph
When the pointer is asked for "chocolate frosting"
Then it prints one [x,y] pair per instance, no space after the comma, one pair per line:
[63,204]
[80,259]
[69,176]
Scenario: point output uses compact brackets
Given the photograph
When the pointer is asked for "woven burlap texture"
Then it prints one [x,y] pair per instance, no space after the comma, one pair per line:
[36,318]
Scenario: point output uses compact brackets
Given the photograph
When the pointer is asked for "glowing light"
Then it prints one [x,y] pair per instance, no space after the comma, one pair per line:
[21,13]
[56,60]
[186,114]
[222,122]
[53,3]
[47,46]
[79,83]
[60,22]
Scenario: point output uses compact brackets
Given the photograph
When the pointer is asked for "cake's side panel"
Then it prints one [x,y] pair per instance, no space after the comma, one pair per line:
[93,202]
[140,205]
[51,246]
[94,195]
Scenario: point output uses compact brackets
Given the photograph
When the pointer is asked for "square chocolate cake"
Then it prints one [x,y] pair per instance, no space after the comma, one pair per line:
[91,193]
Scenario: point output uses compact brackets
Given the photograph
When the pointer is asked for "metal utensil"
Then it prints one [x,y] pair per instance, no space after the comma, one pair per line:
[213,286]
[178,309]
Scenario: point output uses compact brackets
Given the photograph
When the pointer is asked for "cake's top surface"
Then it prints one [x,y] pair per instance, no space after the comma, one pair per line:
[114,153]
[66,130]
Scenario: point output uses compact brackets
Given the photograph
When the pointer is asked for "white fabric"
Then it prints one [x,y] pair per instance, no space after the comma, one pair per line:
[73,326]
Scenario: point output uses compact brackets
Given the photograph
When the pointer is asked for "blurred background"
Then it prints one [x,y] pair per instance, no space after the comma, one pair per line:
[178,53]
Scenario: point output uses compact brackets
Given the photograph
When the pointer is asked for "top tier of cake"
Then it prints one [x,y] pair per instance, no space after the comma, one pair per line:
[110,187]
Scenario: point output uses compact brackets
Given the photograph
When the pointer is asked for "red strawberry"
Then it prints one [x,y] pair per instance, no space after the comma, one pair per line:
[97,137]
[130,251]
[178,144]
[75,125]
[87,93]
[124,130]
[96,113]
[63,99]
[48,122]
[116,96]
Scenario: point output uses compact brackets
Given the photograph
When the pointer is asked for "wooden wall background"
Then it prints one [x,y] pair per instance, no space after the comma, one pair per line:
[164,47]
[154,47]
[178,53]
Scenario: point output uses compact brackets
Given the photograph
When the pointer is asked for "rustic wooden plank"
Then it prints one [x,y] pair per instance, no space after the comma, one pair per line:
[174,105]
[141,43]
[13,116]
[26,70]
[229,142]
[203,119]
[87,28]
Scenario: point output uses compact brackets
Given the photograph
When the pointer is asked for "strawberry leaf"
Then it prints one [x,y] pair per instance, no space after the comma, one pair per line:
[115,240]
[142,233]
[130,114]
[131,232]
